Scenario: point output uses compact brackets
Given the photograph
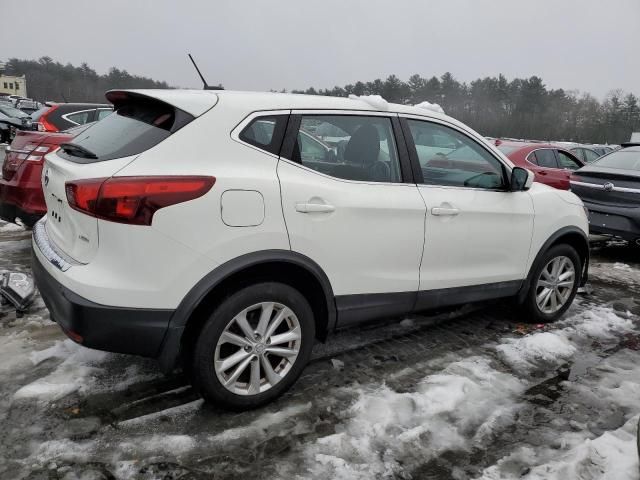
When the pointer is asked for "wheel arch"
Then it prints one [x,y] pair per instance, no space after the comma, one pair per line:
[290,268]
[569,235]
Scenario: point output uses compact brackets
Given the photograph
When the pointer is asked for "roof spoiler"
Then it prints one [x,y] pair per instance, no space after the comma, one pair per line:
[630,144]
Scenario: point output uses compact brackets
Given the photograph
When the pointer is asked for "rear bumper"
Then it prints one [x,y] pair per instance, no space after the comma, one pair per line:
[22,195]
[621,222]
[114,329]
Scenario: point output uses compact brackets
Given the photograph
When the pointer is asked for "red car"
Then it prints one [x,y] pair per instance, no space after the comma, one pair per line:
[20,186]
[551,164]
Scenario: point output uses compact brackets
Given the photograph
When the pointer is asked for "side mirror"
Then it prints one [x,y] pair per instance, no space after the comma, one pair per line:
[521,179]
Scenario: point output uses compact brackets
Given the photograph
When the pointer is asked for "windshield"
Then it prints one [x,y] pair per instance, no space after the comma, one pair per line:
[12,112]
[134,127]
[622,159]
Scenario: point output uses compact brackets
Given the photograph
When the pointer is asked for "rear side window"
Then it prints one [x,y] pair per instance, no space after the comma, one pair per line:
[136,126]
[79,118]
[566,161]
[266,133]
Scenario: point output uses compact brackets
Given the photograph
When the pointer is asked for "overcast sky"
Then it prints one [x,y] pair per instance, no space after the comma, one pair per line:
[589,45]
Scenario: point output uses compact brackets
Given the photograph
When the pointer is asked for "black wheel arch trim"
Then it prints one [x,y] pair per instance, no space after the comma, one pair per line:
[546,245]
[171,344]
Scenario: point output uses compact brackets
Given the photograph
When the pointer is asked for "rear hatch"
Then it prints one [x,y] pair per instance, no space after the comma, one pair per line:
[140,122]
[602,186]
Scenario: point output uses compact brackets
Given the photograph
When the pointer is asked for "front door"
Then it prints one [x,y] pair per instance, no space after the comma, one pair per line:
[348,206]
[477,233]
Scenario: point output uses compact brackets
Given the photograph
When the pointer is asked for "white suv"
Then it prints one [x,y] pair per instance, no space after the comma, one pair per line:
[229,230]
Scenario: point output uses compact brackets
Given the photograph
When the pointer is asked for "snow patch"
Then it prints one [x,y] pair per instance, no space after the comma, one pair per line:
[169,444]
[263,423]
[376,101]
[75,373]
[528,352]
[10,227]
[434,107]
[385,431]
[613,455]
[557,346]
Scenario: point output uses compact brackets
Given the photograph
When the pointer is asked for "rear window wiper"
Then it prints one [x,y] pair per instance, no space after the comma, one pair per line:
[77,150]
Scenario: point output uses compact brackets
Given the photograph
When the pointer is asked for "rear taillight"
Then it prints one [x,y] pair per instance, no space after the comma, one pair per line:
[44,125]
[31,153]
[133,200]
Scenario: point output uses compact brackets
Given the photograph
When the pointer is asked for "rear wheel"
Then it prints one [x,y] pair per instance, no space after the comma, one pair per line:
[553,285]
[254,346]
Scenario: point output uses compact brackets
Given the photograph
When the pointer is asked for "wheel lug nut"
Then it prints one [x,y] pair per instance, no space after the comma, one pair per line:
[247,348]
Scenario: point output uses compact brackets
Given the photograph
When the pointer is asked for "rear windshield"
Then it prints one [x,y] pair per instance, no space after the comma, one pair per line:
[133,128]
[621,159]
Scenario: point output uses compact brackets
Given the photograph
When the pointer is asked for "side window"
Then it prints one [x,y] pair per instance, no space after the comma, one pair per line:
[266,132]
[545,158]
[351,147]
[578,152]
[567,161]
[103,112]
[590,156]
[450,158]
[79,118]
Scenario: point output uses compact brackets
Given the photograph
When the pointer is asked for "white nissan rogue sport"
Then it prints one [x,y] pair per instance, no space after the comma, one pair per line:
[230,230]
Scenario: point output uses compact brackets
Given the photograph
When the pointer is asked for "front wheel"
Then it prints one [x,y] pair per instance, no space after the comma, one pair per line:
[254,346]
[553,285]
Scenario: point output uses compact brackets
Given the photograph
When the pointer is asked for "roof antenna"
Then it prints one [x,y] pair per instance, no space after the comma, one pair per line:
[204,82]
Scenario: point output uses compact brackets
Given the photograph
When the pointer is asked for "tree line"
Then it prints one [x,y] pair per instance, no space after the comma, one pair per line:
[520,108]
[52,81]
[494,106]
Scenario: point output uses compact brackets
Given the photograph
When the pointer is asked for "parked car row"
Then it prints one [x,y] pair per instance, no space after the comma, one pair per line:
[51,117]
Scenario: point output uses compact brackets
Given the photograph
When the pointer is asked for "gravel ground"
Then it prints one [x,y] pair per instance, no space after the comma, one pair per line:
[468,394]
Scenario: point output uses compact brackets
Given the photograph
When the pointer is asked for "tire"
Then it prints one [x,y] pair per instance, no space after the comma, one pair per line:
[532,311]
[212,349]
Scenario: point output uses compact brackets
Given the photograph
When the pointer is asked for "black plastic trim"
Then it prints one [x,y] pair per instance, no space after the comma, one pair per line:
[291,136]
[545,246]
[403,151]
[171,344]
[361,308]
[134,331]
[446,297]
[279,128]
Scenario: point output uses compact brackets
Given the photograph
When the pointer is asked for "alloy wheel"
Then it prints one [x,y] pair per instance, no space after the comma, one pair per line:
[257,348]
[555,284]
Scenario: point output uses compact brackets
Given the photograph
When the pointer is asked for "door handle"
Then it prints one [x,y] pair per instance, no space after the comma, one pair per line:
[441,211]
[542,172]
[314,208]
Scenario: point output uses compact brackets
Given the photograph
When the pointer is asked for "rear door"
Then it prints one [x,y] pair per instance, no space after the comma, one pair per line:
[568,163]
[548,171]
[350,205]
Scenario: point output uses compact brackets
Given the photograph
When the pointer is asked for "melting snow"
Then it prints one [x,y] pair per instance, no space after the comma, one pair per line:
[385,430]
